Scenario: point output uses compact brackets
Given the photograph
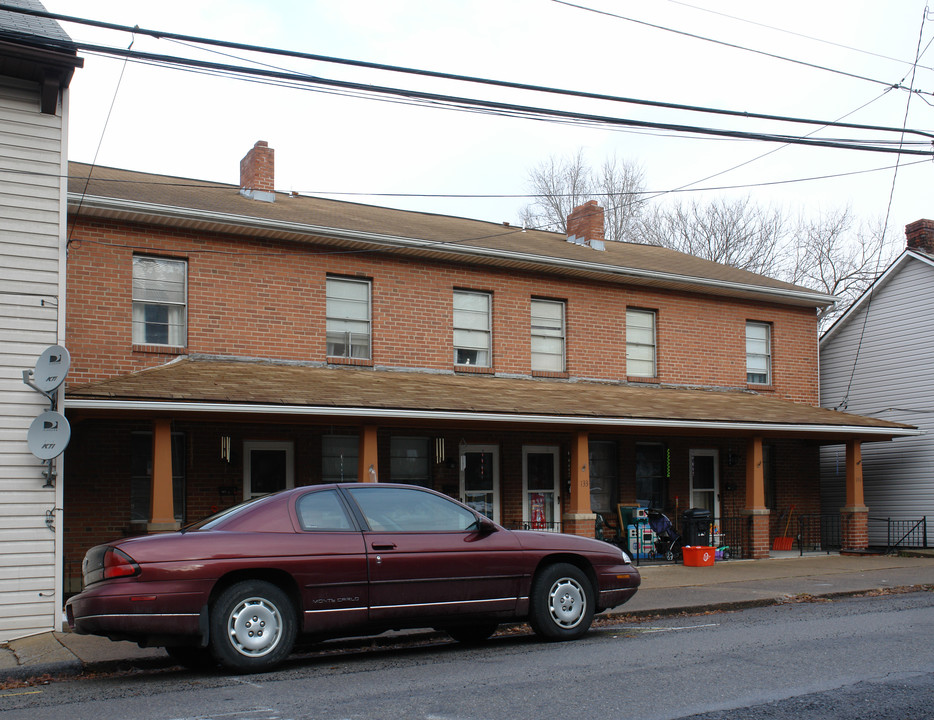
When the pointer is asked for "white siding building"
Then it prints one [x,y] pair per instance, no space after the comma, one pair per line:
[878,360]
[35,69]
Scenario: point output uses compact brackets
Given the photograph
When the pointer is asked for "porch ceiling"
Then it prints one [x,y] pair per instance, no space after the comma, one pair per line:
[356,394]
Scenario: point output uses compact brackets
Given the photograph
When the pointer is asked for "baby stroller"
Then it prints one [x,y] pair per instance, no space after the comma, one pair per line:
[667,543]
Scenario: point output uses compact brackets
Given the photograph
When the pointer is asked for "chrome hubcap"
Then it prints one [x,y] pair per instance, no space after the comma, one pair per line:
[255,627]
[567,602]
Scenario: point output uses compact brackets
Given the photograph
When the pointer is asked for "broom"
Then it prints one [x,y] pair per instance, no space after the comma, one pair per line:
[784,542]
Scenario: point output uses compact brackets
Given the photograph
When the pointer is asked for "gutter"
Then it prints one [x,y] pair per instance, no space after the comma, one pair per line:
[466,416]
[454,248]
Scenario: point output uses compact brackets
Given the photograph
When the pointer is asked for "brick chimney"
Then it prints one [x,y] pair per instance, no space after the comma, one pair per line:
[585,225]
[258,173]
[920,235]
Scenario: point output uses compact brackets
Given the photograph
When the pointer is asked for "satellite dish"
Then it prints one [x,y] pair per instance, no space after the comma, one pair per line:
[51,368]
[48,435]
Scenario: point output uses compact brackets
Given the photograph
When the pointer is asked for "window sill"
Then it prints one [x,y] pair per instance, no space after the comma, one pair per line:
[760,388]
[161,349]
[549,374]
[355,362]
[641,379]
[473,370]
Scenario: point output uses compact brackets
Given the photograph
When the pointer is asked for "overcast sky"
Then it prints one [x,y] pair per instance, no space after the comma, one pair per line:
[199,126]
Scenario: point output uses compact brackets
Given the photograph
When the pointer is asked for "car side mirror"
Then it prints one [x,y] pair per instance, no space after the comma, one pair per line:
[485,526]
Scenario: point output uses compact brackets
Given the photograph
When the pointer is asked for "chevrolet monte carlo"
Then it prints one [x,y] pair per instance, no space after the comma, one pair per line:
[324,561]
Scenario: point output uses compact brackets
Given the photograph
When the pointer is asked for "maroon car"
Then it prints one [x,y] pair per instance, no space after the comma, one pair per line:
[338,560]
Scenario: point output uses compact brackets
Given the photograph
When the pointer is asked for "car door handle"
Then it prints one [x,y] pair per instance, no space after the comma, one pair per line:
[386,546]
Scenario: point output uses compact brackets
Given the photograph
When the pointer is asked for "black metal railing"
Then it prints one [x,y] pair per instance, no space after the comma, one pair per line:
[554,527]
[901,533]
[819,532]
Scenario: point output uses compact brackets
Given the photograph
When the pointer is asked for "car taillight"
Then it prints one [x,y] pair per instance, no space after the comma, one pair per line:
[118,564]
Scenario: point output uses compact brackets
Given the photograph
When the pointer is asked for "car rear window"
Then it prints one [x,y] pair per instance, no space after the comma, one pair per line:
[322,510]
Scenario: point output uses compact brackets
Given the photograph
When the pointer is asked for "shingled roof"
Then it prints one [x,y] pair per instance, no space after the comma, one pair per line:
[215,207]
[211,385]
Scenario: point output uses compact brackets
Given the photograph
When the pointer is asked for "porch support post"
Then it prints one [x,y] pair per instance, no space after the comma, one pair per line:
[578,519]
[367,470]
[162,509]
[854,516]
[755,508]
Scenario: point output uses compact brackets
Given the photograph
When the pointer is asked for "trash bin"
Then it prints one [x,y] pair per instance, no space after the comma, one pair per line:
[695,526]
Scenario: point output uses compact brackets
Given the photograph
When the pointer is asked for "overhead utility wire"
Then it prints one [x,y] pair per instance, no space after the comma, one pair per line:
[506,108]
[446,76]
[734,46]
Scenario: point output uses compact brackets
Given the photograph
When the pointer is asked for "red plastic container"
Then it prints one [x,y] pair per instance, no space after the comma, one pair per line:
[699,555]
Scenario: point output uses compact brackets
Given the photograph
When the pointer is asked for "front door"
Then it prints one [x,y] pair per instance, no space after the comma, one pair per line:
[267,467]
[540,491]
[480,479]
[705,480]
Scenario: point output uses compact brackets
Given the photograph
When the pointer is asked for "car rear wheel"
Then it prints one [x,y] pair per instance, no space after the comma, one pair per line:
[472,634]
[253,626]
[562,602]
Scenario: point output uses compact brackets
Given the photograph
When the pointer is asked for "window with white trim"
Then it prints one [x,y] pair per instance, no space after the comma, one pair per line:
[160,291]
[758,353]
[348,318]
[640,343]
[547,335]
[473,335]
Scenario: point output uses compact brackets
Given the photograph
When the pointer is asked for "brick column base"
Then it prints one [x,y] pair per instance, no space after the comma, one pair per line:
[854,526]
[583,524]
[758,533]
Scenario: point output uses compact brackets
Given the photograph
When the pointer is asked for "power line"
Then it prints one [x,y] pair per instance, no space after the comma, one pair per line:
[723,43]
[510,109]
[159,34]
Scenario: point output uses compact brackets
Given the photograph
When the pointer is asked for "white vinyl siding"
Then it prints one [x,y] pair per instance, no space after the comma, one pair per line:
[160,291]
[548,335]
[758,353]
[473,336]
[640,343]
[348,318]
[893,380]
[32,276]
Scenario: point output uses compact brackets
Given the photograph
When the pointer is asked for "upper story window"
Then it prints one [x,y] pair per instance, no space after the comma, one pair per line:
[473,335]
[640,343]
[758,353]
[160,290]
[548,335]
[348,318]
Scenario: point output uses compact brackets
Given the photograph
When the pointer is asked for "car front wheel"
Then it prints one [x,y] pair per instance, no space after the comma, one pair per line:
[562,603]
[253,626]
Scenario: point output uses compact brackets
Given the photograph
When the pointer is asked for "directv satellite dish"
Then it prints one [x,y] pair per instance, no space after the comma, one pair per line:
[48,435]
[51,368]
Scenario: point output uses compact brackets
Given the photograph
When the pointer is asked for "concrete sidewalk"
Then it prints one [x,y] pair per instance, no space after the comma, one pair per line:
[666,589]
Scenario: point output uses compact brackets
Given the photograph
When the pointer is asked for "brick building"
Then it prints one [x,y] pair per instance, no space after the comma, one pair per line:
[228,341]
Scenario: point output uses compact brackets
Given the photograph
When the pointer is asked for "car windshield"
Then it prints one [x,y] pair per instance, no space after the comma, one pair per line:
[211,521]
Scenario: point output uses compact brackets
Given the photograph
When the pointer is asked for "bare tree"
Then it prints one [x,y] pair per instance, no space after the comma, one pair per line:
[561,184]
[835,254]
[732,232]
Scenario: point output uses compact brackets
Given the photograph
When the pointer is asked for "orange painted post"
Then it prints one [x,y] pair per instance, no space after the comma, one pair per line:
[854,516]
[162,508]
[578,518]
[755,500]
[368,460]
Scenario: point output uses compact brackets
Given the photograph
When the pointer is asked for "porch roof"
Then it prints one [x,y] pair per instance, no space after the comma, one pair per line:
[232,387]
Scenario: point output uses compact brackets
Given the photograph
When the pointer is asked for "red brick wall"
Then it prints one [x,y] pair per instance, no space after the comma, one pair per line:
[262,299]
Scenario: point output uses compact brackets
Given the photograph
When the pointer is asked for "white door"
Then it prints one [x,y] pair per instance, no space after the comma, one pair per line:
[267,467]
[540,489]
[705,480]
[480,479]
